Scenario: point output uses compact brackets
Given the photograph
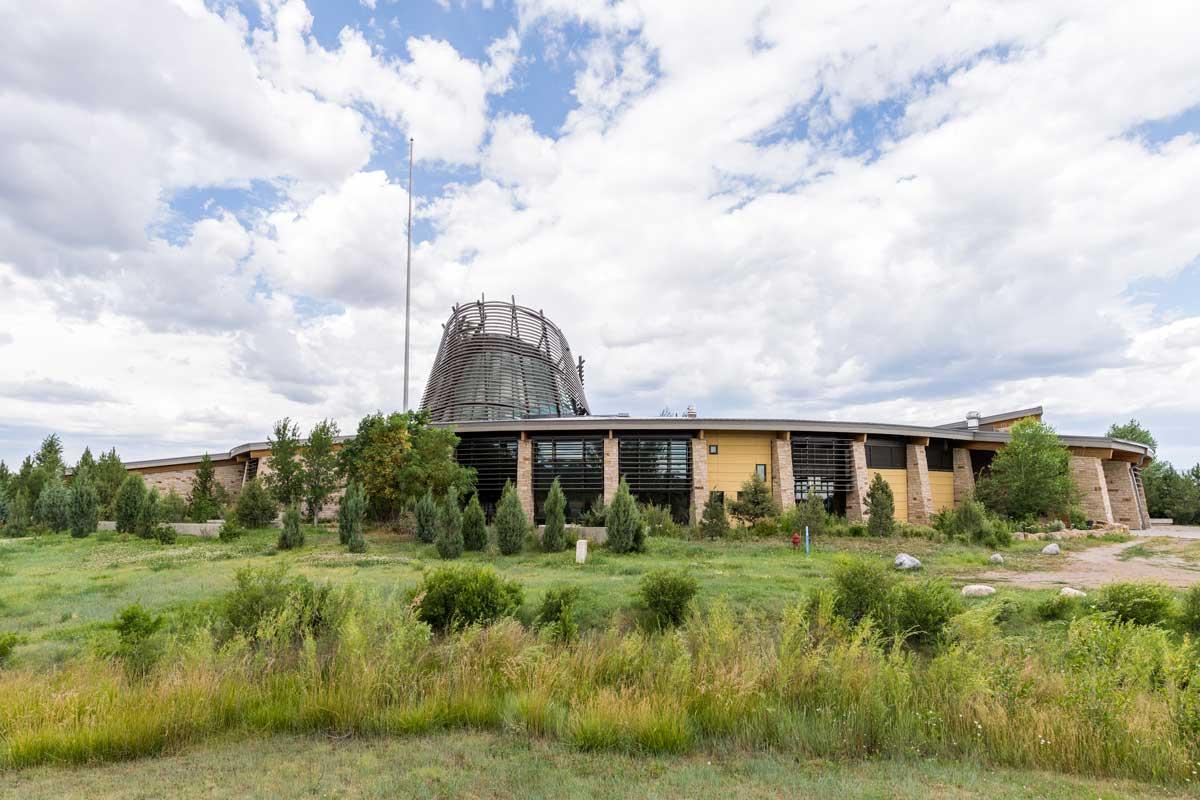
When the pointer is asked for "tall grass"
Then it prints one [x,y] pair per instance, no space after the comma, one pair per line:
[1110,699]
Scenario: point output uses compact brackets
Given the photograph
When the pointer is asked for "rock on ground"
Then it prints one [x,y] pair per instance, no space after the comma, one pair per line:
[1051,550]
[905,561]
[977,590]
[996,558]
[1067,591]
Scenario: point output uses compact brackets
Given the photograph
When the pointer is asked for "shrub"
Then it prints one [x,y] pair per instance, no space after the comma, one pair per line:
[1078,519]
[1056,607]
[84,507]
[203,500]
[166,534]
[658,520]
[554,534]
[449,539]
[292,536]
[230,531]
[556,613]
[474,526]
[856,529]
[174,507]
[511,523]
[881,507]
[714,524]
[128,503]
[765,528]
[1139,603]
[918,611]
[20,518]
[666,594]
[351,512]
[811,514]
[597,514]
[1189,610]
[754,501]
[625,532]
[261,595]
[426,511]
[1030,476]
[8,643]
[971,522]
[137,647]
[454,597]
[860,588]
[148,516]
[255,507]
[53,507]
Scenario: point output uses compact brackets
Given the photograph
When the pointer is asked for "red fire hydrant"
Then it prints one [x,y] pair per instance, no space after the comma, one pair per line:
[796,540]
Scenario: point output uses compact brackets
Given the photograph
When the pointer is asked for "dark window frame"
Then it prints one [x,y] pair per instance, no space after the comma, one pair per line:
[886,454]
[939,456]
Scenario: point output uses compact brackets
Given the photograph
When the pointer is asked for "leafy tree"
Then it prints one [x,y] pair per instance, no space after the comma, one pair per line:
[202,501]
[255,507]
[449,539]
[1173,494]
[128,502]
[400,457]
[754,501]
[320,467]
[107,477]
[1133,431]
[1031,476]
[84,505]
[881,507]
[426,514]
[292,536]
[149,516]
[554,535]
[174,507]
[351,512]
[53,507]
[713,522]
[474,526]
[20,516]
[510,523]
[625,531]
[286,479]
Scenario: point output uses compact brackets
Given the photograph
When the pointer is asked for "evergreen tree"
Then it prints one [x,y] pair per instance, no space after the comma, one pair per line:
[286,479]
[881,507]
[53,509]
[128,502]
[5,475]
[292,536]
[202,500]
[554,534]
[754,501]
[20,516]
[49,457]
[107,477]
[713,523]
[474,526]
[84,505]
[449,538]
[320,467]
[351,513]
[811,514]
[426,514]
[255,507]
[174,507]
[149,516]
[625,531]
[511,523]
[86,463]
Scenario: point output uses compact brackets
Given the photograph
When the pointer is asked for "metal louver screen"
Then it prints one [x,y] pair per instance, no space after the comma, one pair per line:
[822,463]
[494,460]
[577,463]
[656,464]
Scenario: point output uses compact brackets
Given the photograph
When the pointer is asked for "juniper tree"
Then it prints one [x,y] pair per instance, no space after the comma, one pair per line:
[149,516]
[511,523]
[351,512]
[754,501]
[713,522]
[128,502]
[53,507]
[881,507]
[202,501]
[84,506]
[554,534]
[474,526]
[107,477]
[449,539]
[292,536]
[426,517]
[625,533]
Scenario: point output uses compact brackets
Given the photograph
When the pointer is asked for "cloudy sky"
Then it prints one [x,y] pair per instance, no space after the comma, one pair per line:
[878,210]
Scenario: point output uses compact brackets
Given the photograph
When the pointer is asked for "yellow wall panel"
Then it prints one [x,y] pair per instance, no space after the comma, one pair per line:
[737,454]
[942,484]
[898,480]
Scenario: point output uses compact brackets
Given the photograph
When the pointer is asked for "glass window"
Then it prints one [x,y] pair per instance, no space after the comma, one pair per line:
[884,454]
[712,449]
[761,471]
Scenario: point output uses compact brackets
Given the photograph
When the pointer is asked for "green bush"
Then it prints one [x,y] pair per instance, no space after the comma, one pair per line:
[84,507]
[811,514]
[556,613]
[658,520]
[128,503]
[881,507]
[666,595]
[970,522]
[255,507]
[596,515]
[767,528]
[454,597]
[174,507]
[8,643]
[426,511]
[1030,477]
[554,533]
[625,531]
[352,510]
[1139,603]
[474,526]
[292,535]
[909,530]
[856,529]
[148,516]
[53,508]
[918,611]
[714,524]
[230,531]
[138,649]
[261,595]
[449,538]
[511,524]
[860,588]
[20,517]
[1056,607]
[1189,610]
[754,501]
[166,534]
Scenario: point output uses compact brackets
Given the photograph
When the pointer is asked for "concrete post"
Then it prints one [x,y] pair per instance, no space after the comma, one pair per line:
[920,491]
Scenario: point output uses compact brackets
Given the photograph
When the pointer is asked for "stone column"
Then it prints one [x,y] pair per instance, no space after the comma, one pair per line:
[612,476]
[1143,506]
[856,500]
[964,475]
[783,483]
[525,475]
[920,492]
[1122,493]
[699,479]
[1093,488]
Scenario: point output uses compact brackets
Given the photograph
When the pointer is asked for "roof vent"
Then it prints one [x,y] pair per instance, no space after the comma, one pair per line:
[691,412]
[973,419]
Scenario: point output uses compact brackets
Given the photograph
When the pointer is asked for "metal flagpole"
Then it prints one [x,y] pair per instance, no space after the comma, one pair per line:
[408,271]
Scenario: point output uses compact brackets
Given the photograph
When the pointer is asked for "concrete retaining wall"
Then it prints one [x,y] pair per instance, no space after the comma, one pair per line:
[208,529]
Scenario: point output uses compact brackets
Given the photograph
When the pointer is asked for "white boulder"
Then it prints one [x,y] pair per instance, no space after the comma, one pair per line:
[1067,591]
[1051,550]
[996,558]
[977,590]
[905,561]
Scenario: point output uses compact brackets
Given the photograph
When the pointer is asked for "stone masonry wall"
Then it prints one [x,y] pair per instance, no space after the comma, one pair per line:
[783,484]
[964,476]
[228,475]
[525,476]
[856,500]
[1122,494]
[699,479]
[920,492]
[1143,505]
[612,466]
[1092,484]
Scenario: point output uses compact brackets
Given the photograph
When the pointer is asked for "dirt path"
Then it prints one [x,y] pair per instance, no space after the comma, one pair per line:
[1097,566]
